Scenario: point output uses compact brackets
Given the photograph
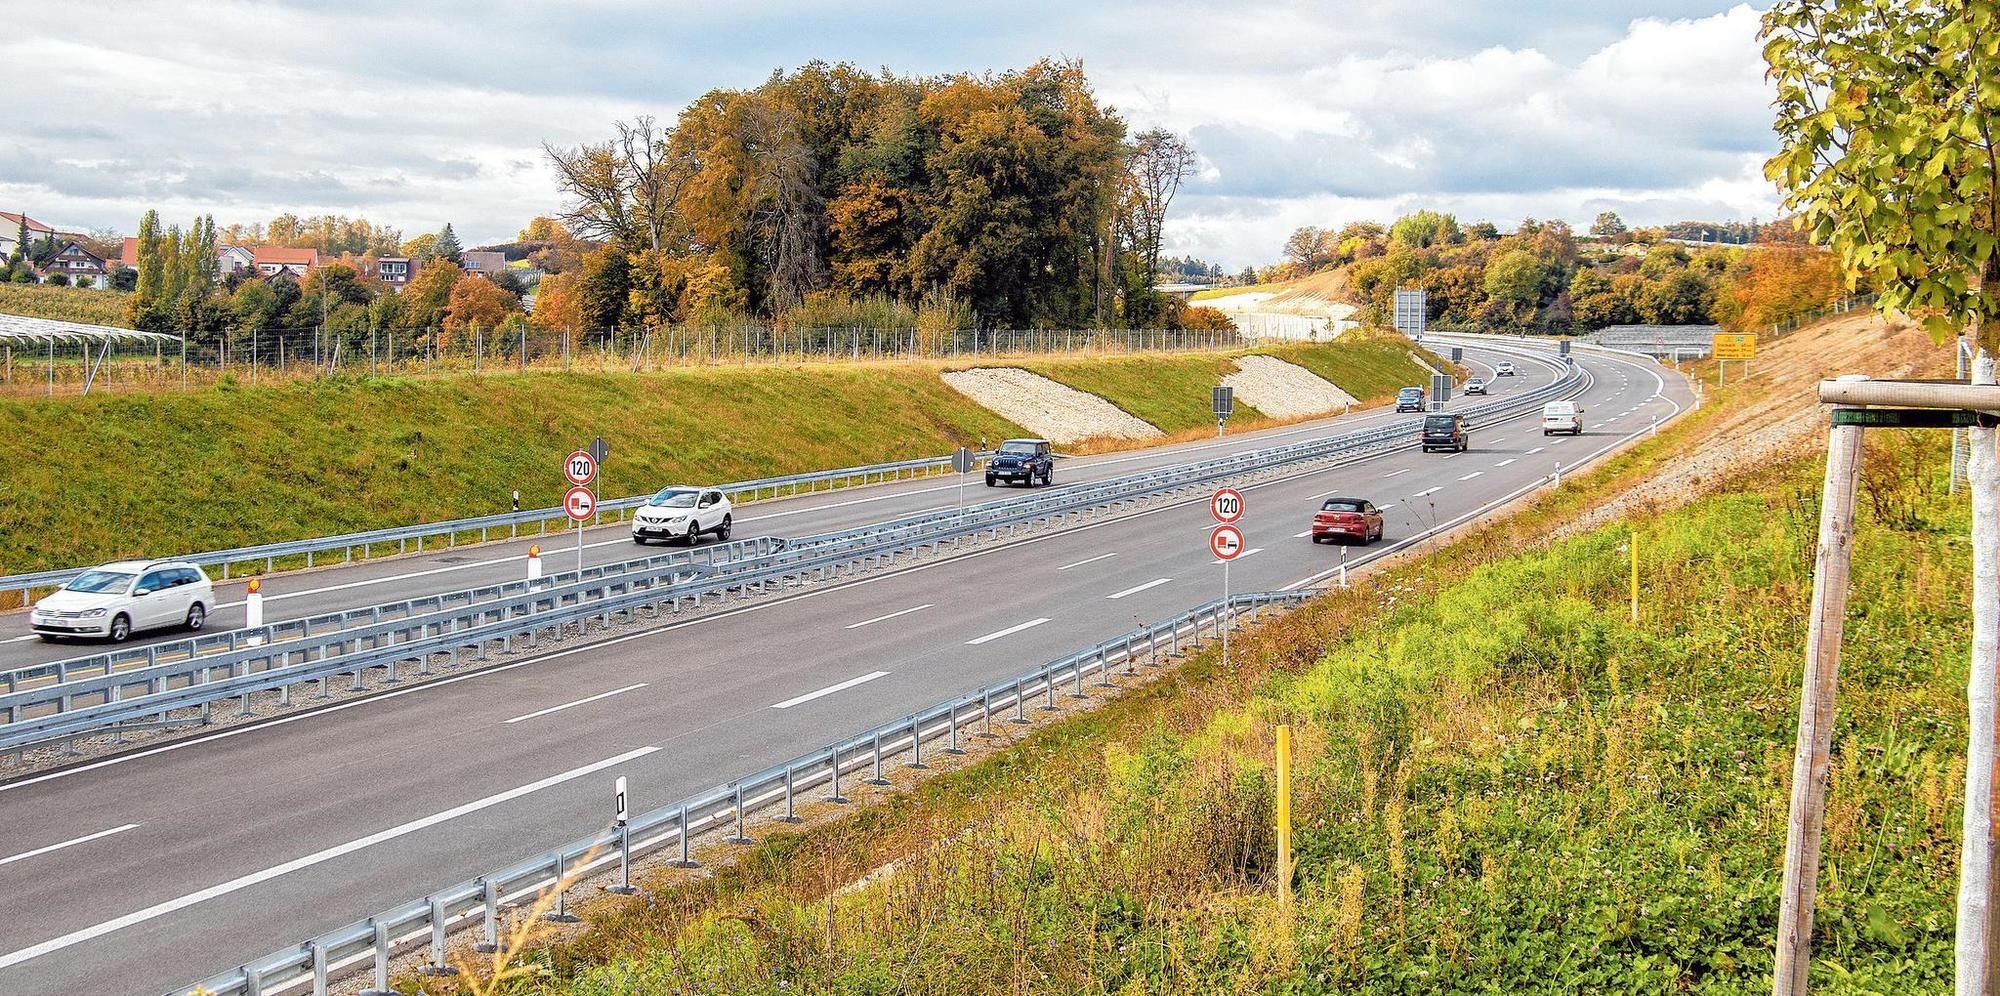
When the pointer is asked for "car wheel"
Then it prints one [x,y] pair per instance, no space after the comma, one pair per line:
[722,531]
[638,540]
[121,628]
[694,533]
[1545,433]
[196,616]
[1049,477]
[990,482]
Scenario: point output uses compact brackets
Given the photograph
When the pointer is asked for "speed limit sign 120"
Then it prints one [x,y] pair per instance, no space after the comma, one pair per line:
[580,467]
[1226,505]
[1225,542]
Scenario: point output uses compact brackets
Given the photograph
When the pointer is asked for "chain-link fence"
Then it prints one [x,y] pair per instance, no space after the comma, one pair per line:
[262,356]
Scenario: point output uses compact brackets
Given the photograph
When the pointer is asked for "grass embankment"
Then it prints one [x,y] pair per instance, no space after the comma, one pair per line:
[1503,785]
[92,478]
[69,304]
[1173,393]
[1369,364]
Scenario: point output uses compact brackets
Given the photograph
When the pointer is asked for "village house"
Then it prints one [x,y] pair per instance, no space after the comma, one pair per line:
[10,233]
[80,266]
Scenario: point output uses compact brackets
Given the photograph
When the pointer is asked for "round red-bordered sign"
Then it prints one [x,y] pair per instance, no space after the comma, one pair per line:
[1226,505]
[1226,542]
[579,503]
[580,467]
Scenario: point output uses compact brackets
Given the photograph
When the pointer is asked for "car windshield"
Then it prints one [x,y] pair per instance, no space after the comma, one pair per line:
[1410,392]
[95,581]
[1439,422]
[1342,505]
[1019,449]
[673,498]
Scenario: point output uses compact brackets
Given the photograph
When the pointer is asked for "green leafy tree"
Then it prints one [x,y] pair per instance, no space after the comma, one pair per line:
[1608,224]
[1886,121]
[20,241]
[1425,229]
[1515,278]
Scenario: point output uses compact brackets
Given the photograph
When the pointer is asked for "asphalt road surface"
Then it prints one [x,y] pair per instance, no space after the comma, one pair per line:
[153,869]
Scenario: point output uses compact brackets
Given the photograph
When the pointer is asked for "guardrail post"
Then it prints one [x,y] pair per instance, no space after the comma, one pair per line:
[740,837]
[1076,672]
[253,981]
[438,965]
[682,827]
[1020,705]
[986,710]
[1049,687]
[952,718]
[381,962]
[489,894]
[878,779]
[836,797]
[318,968]
[790,816]
[624,886]
[561,913]
[916,744]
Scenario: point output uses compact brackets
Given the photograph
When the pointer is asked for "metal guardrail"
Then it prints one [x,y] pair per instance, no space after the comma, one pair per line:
[371,943]
[451,529]
[89,696]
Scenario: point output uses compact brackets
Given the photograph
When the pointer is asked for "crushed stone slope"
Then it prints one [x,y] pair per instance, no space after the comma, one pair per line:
[1284,390]
[1054,411]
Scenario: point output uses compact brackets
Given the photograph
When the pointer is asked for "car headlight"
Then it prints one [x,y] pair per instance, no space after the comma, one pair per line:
[93,613]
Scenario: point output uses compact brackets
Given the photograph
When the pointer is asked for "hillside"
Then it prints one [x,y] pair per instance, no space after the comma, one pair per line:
[68,304]
[147,474]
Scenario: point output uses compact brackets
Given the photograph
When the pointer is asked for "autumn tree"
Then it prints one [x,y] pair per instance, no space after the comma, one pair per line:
[475,305]
[1608,224]
[1158,163]
[1309,247]
[1424,229]
[427,295]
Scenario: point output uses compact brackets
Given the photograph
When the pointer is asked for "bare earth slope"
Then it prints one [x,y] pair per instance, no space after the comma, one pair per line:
[1056,412]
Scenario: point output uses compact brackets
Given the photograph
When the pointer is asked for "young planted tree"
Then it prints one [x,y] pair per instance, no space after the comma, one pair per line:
[1887,114]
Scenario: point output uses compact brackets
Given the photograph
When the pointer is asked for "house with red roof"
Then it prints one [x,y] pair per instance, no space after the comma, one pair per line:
[10,232]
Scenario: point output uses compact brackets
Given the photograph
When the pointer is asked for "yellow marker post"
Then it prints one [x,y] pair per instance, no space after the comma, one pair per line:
[1285,815]
[1635,575]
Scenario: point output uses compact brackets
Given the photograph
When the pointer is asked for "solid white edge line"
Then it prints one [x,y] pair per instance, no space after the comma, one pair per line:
[892,615]
[242,882]
[578,702]
[1009,631]
[85,839]
[829,690]
[1135,589]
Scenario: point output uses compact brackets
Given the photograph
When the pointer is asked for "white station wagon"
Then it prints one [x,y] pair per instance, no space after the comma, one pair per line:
[117,600]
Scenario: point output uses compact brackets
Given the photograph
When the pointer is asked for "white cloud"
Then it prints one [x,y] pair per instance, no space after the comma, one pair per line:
[1306,112]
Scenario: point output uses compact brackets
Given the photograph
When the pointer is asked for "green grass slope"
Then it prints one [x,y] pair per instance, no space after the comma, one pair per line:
[1503,785]
[92,478]
[1369,365]
[1171,392]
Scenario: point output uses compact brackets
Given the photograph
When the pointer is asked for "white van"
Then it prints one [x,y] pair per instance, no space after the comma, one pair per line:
[1562,416]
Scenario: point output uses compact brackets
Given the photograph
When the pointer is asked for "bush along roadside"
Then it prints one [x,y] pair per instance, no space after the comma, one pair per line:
[1502,785]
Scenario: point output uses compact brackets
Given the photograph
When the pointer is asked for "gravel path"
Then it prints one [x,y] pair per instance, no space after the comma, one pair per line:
[1054,411]
[1284,390]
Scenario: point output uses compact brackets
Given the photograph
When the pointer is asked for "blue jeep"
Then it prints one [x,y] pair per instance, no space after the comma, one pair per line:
[1024,461]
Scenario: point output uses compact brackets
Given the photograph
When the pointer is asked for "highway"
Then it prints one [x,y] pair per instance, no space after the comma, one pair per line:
[384,580]
[152,869]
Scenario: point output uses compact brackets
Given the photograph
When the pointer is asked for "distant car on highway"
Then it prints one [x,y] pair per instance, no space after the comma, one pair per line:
[1347,518]
[1445,431]
[1562,416]
[1505,369]
[683,513]
[118,599]
[1410,399]
[1023,461]
[1476,385]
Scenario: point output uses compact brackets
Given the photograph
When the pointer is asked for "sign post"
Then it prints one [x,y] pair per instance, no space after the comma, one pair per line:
[579,502]
[1224,401]
[1733,346]
[961,461]
[1226,542]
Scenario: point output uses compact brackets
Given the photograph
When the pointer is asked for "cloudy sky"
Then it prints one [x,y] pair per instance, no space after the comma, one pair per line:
[415,114]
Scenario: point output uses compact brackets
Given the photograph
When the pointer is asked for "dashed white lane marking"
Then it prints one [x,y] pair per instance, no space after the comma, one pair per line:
[1302,535]
[1507,461]
[578,702]
[1088,560]
[1009,631]
[1385,508]
[830,689]
[1536,450]
[1472,475]
[240,883]
[85,839]
[1393,473]
[1426,492]
[892,615]
[1246,553]
[1135,589]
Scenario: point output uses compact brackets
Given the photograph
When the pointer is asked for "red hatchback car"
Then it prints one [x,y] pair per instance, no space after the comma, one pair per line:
[1347,518]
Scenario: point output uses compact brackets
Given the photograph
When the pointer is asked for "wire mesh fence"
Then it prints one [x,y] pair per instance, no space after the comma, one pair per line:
[263,356]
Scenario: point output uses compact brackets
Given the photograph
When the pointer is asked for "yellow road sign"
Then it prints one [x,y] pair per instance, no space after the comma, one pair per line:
[1735,346]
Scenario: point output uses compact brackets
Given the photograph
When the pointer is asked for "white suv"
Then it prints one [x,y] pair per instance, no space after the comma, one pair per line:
[684,514]
[117,600]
